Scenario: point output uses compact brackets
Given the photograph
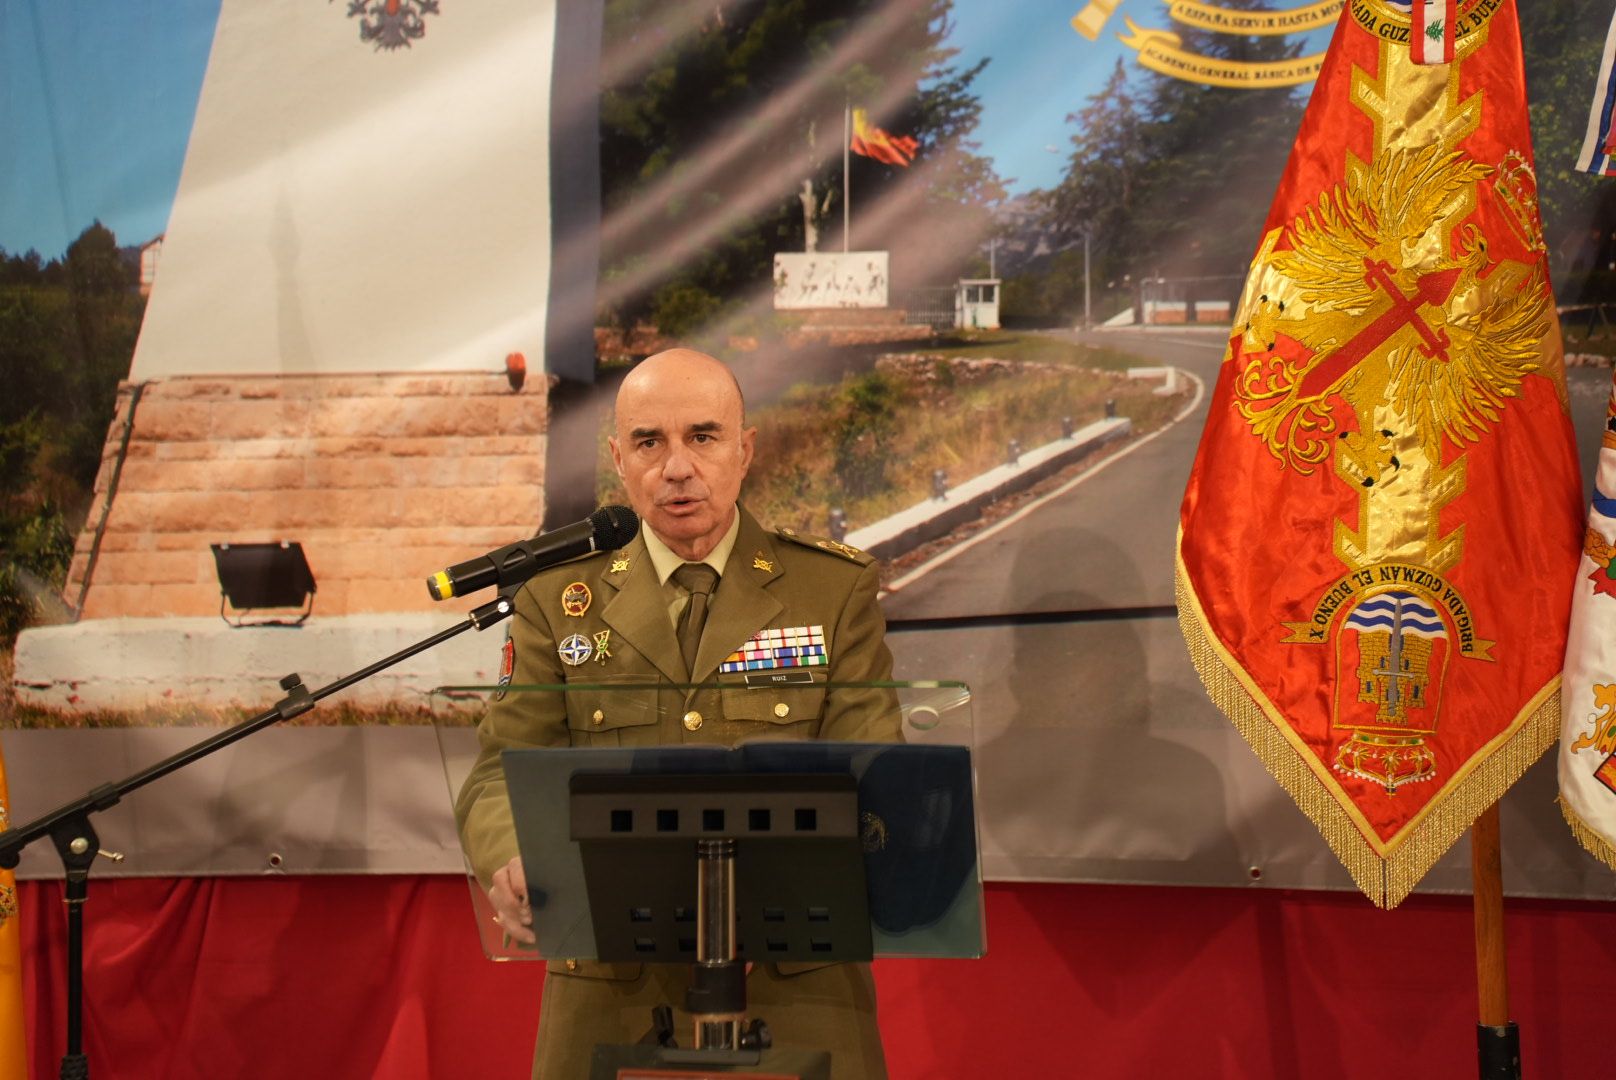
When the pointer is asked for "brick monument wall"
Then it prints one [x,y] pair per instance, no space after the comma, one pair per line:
[383,479]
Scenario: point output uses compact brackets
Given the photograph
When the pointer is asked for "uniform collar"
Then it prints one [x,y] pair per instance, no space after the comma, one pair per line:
[666,562]
[740,608]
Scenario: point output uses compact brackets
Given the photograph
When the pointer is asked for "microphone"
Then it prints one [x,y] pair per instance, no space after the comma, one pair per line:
[606,529]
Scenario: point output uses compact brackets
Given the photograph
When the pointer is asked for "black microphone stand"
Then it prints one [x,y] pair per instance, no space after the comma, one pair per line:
[70,829]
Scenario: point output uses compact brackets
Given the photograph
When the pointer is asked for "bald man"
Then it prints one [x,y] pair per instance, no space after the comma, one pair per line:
[682,449]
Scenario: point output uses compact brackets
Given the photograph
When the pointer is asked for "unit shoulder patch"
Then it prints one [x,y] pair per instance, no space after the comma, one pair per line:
[827,545]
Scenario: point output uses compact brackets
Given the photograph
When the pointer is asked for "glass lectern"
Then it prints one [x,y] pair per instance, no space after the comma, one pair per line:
[779,848]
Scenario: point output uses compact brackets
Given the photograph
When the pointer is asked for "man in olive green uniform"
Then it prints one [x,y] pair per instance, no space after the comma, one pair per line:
[701,581]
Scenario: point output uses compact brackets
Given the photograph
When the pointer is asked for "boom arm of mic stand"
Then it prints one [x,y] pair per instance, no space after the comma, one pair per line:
[76,842]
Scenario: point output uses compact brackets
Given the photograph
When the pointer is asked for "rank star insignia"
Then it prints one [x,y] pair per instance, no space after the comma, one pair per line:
[838,547]
[619,566]
[575,650]
[760,563]
[603,646]
[575,599]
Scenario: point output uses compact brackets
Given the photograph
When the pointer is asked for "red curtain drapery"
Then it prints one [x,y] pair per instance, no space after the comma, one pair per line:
[381,976]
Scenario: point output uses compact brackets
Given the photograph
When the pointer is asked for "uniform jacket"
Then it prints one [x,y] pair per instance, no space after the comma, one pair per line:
[778,579]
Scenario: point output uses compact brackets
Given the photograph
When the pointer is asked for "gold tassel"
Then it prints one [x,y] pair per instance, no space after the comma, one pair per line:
[1587,836]
[1386,881]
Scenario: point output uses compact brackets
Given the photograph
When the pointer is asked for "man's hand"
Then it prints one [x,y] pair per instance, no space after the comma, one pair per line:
[508,894]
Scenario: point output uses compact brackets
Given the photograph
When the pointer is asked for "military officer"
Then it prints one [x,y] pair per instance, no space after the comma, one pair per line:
[701,582]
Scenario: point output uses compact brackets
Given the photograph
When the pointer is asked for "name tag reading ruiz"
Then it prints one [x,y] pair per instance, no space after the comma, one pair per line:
[778,678]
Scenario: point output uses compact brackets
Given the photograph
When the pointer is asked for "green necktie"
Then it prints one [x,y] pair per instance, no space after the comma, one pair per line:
[699,580]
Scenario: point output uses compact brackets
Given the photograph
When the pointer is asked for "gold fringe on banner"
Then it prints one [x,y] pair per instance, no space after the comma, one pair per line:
[1587,836]
[1385,878]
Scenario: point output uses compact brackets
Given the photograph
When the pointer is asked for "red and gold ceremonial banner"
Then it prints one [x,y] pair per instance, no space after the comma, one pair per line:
[1379,535]
[13,1045]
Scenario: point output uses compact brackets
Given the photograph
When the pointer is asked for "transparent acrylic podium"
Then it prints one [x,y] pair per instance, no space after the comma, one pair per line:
[907,814]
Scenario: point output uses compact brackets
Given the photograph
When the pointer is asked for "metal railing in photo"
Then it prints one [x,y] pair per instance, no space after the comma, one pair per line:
[933,307]
[1187,299]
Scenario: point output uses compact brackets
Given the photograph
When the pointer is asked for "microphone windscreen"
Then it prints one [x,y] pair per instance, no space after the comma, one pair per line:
[614,526]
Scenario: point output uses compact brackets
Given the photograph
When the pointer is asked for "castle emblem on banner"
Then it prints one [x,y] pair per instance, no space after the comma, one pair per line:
[1393,628]
[391,24]
[1391,656]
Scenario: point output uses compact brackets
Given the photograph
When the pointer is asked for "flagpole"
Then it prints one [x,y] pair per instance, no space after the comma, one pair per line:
[1498,1040]
[847,172]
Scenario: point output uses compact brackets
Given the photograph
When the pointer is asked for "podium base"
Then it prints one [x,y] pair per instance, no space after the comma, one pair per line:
[642,1062]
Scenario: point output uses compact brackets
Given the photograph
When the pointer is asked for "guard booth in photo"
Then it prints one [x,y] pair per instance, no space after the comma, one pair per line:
[976,304]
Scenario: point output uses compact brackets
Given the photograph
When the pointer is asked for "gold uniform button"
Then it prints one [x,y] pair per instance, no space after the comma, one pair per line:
[692,720]
[572,965]
[598,717]
[782,710]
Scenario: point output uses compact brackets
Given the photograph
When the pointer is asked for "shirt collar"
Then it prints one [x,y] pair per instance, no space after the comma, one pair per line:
[666,562]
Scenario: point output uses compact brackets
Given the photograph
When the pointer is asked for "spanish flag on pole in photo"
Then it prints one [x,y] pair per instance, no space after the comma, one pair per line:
[872,142]
[1381,529]
[13,1044]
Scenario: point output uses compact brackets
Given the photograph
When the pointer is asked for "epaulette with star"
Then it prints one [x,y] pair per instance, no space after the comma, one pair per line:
[821,543]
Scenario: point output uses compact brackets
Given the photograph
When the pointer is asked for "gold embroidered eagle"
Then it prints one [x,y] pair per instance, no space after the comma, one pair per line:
[1388,315]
